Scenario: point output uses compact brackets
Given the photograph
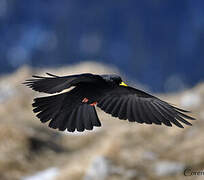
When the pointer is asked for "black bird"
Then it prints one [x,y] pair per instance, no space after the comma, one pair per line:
[75,109]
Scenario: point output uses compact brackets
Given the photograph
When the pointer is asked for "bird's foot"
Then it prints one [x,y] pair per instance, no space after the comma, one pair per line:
[93,104]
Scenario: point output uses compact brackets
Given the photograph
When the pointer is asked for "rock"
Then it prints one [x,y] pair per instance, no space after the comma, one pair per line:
[99,169]
[201,115]
[48,174]
[190,100]
[149,155]
[6,91]
[166,168]
[125,173]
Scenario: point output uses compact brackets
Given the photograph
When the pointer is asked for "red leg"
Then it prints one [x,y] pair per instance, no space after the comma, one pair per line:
[93,104]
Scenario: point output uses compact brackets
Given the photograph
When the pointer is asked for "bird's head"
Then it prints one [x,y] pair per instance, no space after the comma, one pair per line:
[113,79]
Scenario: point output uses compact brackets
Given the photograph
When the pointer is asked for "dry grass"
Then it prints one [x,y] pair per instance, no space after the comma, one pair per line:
[27,146]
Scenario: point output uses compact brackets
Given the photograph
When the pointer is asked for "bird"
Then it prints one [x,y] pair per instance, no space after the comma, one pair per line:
[73,98]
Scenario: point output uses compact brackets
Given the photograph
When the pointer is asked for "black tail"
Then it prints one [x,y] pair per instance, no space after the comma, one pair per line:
[63,113]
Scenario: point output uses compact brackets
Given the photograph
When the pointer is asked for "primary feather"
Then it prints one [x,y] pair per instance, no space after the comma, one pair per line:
[55,84]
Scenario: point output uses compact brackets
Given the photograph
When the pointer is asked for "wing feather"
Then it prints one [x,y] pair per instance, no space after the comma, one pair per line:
[142,112]
[116,109]
[161,115]
[54,84]
[174,114]
[122,114]
[130,115]
[106,102]
[135,110]
[135,105]
[150,113]
[171,118]
[110,106]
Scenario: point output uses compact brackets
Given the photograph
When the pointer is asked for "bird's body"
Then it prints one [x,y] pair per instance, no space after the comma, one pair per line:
[75,109]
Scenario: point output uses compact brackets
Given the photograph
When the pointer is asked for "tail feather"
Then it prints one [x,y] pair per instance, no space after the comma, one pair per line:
[93,117]
[79,119]
[87,119]
[48,107]
[71,123]
[63,113]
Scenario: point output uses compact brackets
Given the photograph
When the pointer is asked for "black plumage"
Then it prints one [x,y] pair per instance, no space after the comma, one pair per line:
[75,109]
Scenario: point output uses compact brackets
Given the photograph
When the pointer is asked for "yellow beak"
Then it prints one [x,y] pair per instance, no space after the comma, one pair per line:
[123,84]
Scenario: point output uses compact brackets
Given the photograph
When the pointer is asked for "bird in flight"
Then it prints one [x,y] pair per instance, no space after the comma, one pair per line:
[75,109]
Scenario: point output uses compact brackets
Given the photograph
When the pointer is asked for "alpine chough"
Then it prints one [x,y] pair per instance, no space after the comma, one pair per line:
[75,109]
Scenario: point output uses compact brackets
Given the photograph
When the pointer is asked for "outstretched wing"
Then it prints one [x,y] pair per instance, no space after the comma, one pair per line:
[54,84]
[64,113]
[138,106]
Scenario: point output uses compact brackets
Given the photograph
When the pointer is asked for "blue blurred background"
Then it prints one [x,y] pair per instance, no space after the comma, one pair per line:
[157,43]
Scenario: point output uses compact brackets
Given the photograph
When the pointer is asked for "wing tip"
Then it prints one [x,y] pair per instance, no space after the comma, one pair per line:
[52,75]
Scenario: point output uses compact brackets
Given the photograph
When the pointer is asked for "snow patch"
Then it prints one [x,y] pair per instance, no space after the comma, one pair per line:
[190,100]
[166,168]
[99,169]
[48,174]
[6,91]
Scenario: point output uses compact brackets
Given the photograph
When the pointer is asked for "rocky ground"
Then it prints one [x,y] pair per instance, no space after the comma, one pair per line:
[119,150]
